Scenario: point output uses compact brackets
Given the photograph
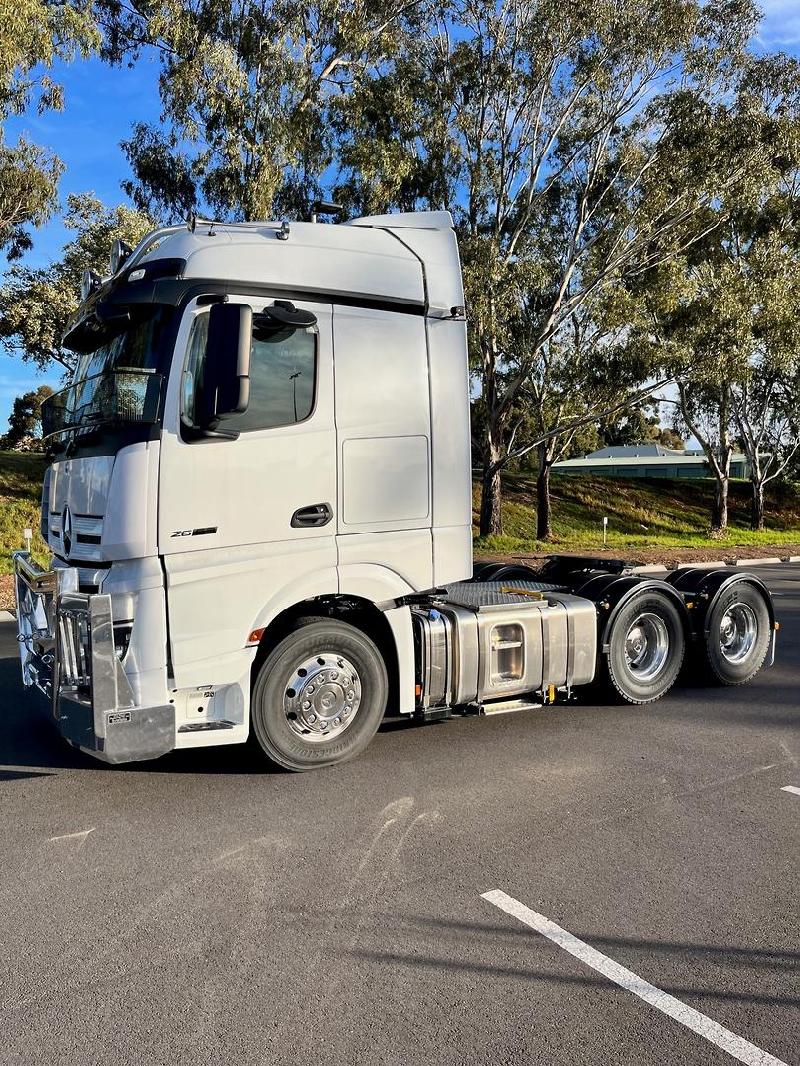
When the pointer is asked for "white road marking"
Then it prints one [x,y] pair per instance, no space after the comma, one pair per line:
[81,835]
[700,1023]
[791,788]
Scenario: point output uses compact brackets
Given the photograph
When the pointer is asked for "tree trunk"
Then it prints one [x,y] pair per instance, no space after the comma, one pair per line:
[543,527]
[491,521]
[757,505]
[719,514]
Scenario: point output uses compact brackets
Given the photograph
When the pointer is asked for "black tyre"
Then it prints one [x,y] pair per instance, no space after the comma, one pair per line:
[319,696]
[646,648]
[739,632]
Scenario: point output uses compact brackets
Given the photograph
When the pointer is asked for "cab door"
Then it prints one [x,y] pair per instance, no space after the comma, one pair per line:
[242,519]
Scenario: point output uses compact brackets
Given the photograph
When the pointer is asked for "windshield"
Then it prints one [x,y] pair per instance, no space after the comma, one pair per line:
[138,347]
[119,380]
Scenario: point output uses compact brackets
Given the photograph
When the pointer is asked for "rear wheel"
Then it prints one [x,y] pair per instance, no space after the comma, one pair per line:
[319,696]
[646,648]
[738,634]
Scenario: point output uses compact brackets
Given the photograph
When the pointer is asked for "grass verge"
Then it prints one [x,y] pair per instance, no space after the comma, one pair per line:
[644,516]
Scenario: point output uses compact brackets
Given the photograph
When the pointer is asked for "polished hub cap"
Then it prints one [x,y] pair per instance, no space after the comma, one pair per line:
[737,632]
[322,697]
[646,646]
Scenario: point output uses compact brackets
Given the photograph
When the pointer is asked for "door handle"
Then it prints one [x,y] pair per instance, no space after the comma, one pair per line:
[314,516]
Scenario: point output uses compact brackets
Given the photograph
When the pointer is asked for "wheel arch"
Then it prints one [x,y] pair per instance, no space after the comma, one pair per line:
[618,591]
[362,594]
[705,588]
[358,612]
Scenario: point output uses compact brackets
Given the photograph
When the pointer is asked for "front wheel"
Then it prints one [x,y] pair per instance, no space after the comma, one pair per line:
[646,648]
[319,696]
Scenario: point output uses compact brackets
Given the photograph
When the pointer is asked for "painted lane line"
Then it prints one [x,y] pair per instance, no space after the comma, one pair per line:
[791,788]
[701,1024]
[80,835]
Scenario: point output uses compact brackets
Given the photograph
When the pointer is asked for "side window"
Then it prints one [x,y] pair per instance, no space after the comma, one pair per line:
[283,371]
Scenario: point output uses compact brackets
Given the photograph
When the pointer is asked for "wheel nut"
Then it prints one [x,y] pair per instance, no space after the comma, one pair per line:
[306,705]
[310,689]
[333,675]
[345,712]
[336,721]
[312,718]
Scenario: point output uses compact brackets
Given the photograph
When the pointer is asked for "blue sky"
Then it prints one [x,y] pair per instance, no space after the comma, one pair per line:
[103,103]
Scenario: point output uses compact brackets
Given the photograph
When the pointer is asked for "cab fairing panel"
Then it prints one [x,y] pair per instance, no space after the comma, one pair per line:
[328,258]
[438,250]
[452,554]
[451,448]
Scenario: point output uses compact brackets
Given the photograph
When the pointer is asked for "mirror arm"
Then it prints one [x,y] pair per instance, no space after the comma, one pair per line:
[200,433]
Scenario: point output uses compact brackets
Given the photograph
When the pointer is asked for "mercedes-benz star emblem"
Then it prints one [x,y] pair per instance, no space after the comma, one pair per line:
[66,530]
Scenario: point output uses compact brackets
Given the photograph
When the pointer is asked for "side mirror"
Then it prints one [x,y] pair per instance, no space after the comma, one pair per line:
[225,388]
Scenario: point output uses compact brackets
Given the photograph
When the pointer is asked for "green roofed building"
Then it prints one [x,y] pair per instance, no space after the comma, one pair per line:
[648,460]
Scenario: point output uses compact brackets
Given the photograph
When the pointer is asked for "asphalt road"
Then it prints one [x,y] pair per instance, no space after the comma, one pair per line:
[201,910]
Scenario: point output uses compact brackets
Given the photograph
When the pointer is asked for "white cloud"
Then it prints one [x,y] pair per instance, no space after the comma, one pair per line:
[781,25]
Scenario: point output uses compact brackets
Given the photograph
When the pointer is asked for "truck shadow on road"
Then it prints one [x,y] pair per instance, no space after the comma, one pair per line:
[457,938]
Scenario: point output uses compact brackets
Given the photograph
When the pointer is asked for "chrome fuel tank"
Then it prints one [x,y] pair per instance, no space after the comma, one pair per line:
[495,640]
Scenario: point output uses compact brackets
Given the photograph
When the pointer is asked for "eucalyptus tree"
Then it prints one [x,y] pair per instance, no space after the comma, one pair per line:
[247,92]
[728,311]
[577,146]
[767,412]
[36,303]
[35,34]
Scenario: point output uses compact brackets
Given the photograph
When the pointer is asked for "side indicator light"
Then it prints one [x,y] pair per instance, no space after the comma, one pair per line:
[255,636]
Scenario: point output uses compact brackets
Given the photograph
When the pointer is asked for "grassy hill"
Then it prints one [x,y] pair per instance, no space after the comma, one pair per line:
[20,495]
[643,515]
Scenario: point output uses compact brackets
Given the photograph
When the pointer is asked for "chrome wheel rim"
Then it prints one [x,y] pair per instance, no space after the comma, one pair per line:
[738,630]
[646,646]
[322,697]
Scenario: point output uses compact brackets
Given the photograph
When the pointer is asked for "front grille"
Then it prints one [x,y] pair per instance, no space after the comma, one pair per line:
[87,536]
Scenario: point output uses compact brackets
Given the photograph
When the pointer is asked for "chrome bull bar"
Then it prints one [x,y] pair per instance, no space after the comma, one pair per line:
[67,651]
[36,593]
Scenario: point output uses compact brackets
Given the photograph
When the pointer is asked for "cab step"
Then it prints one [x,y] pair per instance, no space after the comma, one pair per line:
[507,707]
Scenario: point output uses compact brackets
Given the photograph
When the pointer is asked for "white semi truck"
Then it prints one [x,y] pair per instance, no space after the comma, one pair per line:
[259,510]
